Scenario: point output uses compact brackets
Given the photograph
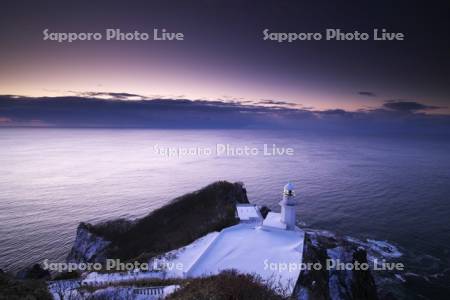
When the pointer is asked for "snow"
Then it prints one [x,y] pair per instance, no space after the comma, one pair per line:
[246,212]
[268,251]
[95,278]
[246,248]
[185,256]
[189,254]
[274,220]
[169,289]
[251,250]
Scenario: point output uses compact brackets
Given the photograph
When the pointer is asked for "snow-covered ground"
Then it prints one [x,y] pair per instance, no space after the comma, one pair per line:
[246,247]
[274,220]
[260,250]
[254,250]
[163,267]
[187,256]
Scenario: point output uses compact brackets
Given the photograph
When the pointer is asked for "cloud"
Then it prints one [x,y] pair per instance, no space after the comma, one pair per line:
[75,111]
[366,93]
[276,103]
[334,112]
[407,106]
[110,95]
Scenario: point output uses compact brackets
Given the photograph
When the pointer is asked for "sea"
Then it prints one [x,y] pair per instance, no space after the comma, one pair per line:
[394,189]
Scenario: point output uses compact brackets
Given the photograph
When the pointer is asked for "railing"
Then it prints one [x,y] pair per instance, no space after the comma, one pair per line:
[69,283]
[153,291]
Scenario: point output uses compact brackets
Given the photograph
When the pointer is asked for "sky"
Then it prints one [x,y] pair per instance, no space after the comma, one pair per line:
[223,56]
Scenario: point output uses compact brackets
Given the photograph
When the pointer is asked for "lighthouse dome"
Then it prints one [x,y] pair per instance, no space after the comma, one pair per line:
[289,189]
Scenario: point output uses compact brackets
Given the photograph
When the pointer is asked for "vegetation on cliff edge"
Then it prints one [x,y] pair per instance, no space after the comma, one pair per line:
[174,225]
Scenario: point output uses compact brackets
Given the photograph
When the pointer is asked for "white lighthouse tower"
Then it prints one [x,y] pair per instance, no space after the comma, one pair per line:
[288,205]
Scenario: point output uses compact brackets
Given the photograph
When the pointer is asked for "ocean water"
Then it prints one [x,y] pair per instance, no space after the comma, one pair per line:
[388,189]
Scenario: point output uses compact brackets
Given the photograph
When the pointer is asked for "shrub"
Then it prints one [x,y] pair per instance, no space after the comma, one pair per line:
[174,225]
[228,285]
[15,289]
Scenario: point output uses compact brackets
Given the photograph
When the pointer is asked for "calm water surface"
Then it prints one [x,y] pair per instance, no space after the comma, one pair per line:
[386,188]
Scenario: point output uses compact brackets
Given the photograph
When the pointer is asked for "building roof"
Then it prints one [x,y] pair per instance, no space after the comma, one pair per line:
[247,212]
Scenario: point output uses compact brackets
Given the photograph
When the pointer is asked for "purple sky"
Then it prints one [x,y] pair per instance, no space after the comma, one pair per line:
[223,56]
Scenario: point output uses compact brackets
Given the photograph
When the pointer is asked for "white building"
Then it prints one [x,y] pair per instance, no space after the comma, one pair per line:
[248,213]
[287,218]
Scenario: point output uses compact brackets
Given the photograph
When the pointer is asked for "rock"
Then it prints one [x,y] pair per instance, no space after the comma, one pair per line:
[88,246]
[324,284]
[66,275]
[33,272]
[314,283]
[363,285]
[264,210]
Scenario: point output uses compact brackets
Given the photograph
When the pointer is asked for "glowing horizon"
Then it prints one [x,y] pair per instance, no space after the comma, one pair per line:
[219,59]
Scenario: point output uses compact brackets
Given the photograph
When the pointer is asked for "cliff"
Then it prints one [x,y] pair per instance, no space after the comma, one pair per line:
[88,246]
[334,284]
[181,221]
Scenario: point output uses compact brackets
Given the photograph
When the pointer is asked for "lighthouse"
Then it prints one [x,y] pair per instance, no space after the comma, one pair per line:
[288,205]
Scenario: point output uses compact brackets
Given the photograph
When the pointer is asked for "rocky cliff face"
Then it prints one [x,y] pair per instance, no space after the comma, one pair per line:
[326,284]
[172,226]
[323,284]
[88,246]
